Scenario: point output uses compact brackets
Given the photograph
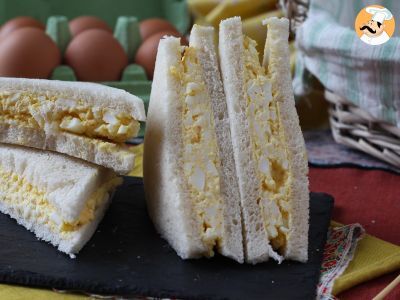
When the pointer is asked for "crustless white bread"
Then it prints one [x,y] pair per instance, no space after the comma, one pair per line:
[225,166]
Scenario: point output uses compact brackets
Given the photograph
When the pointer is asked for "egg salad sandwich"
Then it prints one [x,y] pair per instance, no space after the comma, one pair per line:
[60,199]
[84,120]
[269,149]
[189,171]
[225,166]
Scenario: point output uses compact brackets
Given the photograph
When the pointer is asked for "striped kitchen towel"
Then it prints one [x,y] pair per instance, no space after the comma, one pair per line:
[330,51]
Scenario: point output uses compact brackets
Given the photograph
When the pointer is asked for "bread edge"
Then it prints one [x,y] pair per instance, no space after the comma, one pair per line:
[166,192]
[92,94]
[79,237]
[257,247]
[276,60]
[121,160]
[202,39]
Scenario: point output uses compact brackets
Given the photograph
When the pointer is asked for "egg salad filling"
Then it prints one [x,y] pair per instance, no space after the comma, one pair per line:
[267,141]
[200,153]
[30,202]
[54,113]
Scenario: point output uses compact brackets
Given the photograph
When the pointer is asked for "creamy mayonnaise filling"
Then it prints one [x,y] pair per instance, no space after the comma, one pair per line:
[51,113]
[268,145]
[200,153]
[30,202]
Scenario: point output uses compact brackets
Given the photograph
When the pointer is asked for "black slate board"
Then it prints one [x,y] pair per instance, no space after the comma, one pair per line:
[127,257]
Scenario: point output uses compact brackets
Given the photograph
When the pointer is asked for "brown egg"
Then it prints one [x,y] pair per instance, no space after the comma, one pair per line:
[28,52]
[18,23]
[147,52]
[83,23]
[95,55]
[149,27]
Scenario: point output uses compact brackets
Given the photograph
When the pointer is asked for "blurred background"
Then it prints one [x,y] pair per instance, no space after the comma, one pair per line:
[347,92]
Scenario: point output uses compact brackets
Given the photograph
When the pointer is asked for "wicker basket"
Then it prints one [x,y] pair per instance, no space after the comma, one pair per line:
[295,11]
[351,125]
[356,128]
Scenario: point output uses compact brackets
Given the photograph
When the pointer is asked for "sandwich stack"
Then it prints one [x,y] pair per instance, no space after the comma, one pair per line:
[225,165]
[62,149]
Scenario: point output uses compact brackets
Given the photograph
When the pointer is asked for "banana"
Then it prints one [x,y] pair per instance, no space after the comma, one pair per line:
[253,28]
[243,8]
[201,8]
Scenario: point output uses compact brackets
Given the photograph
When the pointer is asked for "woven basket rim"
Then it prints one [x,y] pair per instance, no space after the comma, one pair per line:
[356,128]
[350,124]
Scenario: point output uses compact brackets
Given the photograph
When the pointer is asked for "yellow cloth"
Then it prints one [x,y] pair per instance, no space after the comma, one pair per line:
[11,292]
[372,258]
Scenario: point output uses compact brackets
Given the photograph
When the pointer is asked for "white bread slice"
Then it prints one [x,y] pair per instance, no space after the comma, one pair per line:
[258,241]
[72,94]
[276,61]
[169,201]
[92,94]
[165,188]
[106,154]
[257,248]
[44,191]
[202,39]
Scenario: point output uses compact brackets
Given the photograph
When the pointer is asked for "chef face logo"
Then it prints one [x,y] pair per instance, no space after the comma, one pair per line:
[374,25]
[373,28]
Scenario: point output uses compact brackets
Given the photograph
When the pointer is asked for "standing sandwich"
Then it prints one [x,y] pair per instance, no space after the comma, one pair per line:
[268,145]
[59,198]
[225,163]
[84,120]
[189,171]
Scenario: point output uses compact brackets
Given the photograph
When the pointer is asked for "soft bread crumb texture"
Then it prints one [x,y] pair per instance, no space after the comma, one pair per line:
[31,202]
[231,51]
[258,175]
[52,114]
[93,94]
[202,39]
[168,195]
[269,149]
[30,207]
[165,186]
[275,60]
[59,198]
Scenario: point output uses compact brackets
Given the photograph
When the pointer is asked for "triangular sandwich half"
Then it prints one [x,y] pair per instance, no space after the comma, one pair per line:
[189,171]
[269,149]
[84,120]
[59,198]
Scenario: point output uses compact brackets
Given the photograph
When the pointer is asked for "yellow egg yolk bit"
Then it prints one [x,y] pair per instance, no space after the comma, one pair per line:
[56,113]
[267,141]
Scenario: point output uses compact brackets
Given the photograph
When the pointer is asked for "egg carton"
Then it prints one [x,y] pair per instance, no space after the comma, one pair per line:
[57,13]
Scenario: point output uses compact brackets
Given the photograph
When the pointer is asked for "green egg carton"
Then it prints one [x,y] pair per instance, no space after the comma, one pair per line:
[175,11]
[122,15]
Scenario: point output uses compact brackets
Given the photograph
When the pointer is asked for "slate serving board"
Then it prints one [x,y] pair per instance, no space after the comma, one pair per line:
[127,257]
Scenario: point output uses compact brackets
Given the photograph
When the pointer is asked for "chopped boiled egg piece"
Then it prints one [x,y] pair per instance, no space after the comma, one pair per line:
[72,124]
[198,179]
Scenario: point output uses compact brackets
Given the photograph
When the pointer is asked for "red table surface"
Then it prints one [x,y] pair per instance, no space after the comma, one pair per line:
[368,197]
